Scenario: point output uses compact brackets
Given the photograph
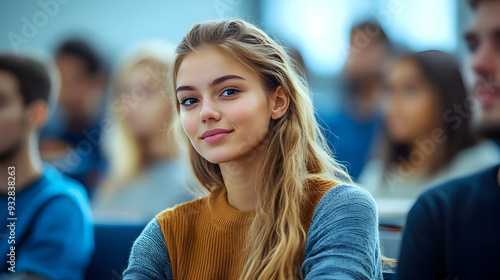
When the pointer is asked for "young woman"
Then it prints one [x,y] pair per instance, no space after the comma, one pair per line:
[143,153]
[428,129]
[278,207]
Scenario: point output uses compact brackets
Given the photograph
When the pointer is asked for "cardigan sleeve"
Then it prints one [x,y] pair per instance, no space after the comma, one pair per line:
[343,241]
[149,256]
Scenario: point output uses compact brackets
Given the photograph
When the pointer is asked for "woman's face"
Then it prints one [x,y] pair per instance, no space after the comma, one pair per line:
[411,110]
[149,107]
[220,97]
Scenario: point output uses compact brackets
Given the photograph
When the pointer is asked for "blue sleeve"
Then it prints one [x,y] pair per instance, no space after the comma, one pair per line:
[149,256]
[342,241]
[60,243]
[421,254]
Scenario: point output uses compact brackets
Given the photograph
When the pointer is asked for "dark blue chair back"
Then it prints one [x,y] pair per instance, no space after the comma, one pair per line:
[112,249]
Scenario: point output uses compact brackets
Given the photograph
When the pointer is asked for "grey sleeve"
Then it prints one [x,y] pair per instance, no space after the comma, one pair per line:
[149,256]
[342,241]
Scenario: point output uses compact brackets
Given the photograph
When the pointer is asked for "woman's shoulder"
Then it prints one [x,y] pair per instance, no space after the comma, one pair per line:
[336,191]
[344,192]
[345,205]
[346,200]
[329,196]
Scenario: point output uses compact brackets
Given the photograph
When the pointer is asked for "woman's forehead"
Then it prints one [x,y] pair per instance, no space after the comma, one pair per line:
[207,64]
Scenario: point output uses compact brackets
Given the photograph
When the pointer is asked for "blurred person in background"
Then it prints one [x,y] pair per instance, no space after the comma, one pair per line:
[146,175]
[429,136]
[71,140]
[52,235]
[353,129]
[453,230]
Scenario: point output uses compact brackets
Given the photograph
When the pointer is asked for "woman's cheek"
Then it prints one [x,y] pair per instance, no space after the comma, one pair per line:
[189,124]
[252,119]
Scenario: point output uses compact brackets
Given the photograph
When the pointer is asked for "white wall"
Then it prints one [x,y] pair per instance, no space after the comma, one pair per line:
[112,25]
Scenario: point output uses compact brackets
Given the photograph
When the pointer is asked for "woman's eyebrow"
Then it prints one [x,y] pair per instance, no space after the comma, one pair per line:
[185,88]
[214,82]
[225,78]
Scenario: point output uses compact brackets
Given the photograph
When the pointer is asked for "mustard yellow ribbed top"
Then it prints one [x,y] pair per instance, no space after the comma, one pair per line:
[205,238]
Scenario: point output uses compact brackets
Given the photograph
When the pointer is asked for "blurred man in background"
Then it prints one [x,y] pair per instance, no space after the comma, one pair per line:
[355,126]
[453,231]
[71,141]
[50,233]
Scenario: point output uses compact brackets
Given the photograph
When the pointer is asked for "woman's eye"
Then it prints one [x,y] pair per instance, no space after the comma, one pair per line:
[229,92]
[189,101]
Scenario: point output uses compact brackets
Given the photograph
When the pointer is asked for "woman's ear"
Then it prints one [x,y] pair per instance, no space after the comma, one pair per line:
[280,102]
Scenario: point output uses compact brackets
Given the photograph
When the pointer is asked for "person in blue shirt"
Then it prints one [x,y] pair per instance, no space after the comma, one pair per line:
[453,230]
[352,130]
[47,231]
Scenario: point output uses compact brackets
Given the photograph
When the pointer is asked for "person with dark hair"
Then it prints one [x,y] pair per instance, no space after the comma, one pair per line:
[71,140]
[427,120]
[353,128]
[453,230]
[49,233]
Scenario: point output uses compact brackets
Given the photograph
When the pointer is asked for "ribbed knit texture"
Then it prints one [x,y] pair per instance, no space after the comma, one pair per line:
[204,239]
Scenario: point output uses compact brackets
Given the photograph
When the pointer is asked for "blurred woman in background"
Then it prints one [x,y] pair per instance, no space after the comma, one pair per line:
[427,118]
[146,175]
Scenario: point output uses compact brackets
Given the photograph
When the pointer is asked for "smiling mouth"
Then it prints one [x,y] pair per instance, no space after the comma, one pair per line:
[487,95]
[215,135]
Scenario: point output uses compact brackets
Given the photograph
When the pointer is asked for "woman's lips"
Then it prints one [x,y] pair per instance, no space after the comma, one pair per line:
[487,95]
[214,135]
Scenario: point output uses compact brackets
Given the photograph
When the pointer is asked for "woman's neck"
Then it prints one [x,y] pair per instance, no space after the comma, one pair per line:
[240,181]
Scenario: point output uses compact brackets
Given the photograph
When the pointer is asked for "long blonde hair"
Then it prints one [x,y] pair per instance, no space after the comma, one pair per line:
[126,160]
[295,152]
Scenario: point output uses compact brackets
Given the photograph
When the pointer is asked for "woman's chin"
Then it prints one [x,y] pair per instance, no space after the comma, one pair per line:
[217,158]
